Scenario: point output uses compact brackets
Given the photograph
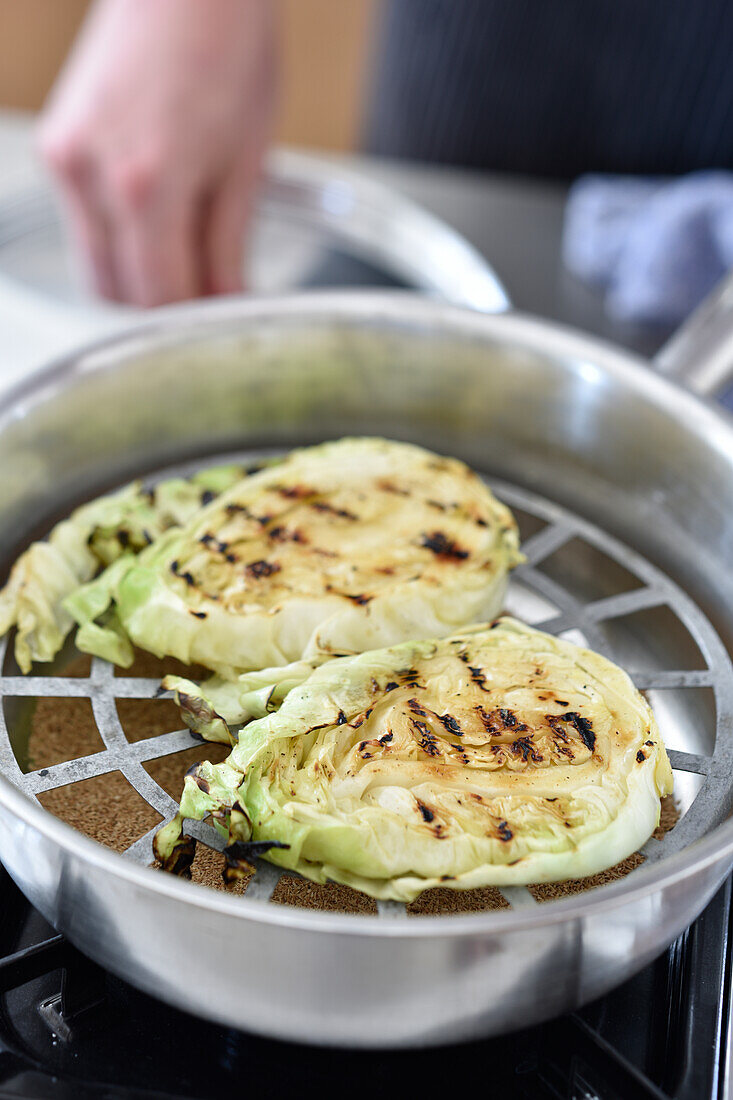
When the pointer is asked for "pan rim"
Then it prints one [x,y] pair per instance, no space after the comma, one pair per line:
[396,307]
[167,327]
[602,899]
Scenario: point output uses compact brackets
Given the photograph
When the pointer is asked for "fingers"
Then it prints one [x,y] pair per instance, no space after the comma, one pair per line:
[136,239]
[92,242]
[154,132]
[146,236]
[157,262]
[157,255]
[225,225]
[88,220]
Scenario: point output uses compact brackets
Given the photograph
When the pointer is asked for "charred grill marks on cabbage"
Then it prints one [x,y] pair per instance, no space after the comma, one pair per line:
[390,791]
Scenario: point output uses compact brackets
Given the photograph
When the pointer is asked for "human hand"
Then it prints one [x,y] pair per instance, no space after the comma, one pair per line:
[155,132]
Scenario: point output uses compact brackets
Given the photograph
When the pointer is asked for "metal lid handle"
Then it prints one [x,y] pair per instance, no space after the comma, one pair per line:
[700,354]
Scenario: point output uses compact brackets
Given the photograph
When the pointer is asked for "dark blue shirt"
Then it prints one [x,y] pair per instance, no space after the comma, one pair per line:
[556,87]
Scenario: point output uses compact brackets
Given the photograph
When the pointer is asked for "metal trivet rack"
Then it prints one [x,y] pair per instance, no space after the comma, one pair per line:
[533,596]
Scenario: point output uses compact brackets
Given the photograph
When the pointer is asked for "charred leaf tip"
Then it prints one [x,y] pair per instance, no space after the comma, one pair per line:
[178,861]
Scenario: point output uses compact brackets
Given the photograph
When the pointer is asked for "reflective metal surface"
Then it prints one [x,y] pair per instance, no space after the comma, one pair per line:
[700,354]
[557,416]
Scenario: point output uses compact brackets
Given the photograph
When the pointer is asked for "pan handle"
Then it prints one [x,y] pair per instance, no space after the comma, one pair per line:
[700,354]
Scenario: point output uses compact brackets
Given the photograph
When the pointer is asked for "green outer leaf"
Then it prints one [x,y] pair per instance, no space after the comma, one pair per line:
[111,527]
[197,710]
[50,571]
[108,641]
[211,708]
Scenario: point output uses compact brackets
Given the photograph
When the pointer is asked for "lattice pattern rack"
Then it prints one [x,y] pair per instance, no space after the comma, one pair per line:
[536,597]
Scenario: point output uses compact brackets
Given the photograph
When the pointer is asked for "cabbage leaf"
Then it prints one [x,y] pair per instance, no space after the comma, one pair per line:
[101,533]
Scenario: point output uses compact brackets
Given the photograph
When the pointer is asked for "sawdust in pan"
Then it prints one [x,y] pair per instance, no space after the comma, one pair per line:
[329,898]
[143,718]
[60,729]
[106,808]
[432,903]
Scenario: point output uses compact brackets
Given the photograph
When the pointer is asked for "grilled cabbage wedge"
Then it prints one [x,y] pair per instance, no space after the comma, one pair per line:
[105,530]
[498,756]
[336,549]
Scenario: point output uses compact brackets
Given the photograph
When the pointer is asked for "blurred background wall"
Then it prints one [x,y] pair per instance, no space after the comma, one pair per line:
[325,47]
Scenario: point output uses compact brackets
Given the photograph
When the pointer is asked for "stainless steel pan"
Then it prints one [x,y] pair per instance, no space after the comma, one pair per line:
[623,483]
